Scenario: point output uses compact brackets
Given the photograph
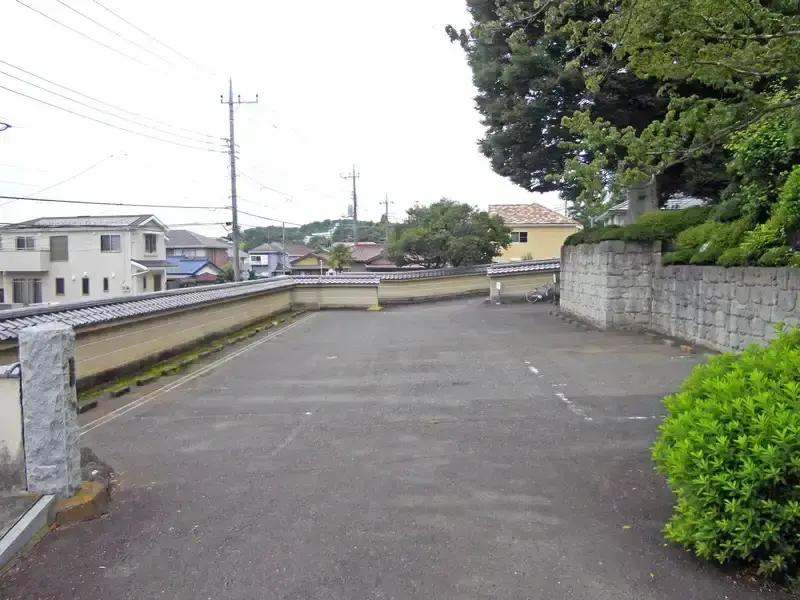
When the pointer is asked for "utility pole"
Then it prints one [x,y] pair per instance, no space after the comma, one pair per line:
[386,204]
[237,276]
[354,176]
[283,245]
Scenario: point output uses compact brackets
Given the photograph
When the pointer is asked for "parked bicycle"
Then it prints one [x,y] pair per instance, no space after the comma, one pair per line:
[543,294]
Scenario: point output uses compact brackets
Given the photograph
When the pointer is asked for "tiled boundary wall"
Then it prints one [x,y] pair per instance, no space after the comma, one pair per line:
[618,284]
[122,335]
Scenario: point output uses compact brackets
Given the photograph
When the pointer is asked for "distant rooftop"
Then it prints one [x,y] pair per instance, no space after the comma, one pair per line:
[183,238]
[529,214]
[104,222]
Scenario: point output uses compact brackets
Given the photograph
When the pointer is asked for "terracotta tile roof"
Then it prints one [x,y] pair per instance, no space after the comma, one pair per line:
[529,214]
[367,251]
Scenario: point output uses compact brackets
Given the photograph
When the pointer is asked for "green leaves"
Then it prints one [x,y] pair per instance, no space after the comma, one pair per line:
[448,233]
[730,449]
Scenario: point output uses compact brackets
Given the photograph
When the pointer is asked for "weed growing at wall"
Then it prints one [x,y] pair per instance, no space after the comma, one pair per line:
[730,449]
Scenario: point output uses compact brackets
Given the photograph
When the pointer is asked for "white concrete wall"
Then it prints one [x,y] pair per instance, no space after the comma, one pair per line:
[12,455]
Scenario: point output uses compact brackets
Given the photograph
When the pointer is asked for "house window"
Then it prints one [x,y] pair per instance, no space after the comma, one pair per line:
[105,284]
[25,243]
[157,283]
[85,286]
[110,243]
[150,243]
[59,248]
[27,291]
[59,286]
[144,283]
[519,237]
[2,296]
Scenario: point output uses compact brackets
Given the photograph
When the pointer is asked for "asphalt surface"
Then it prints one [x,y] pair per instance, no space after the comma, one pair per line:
[453,450]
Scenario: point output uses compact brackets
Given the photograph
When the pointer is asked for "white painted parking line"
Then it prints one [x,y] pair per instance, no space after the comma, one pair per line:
[185,379]
[574,407]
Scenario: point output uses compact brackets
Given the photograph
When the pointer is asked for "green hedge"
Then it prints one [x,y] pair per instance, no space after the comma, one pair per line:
[730,449]
[664,225]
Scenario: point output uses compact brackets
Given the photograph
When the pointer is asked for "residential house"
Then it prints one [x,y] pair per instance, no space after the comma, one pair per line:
[536,231]
[189,272]
[369,257]
[188,244]
[617,214]
[65,259]
[273,258]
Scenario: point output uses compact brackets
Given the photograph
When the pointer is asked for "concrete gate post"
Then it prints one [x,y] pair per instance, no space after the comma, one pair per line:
[49,409]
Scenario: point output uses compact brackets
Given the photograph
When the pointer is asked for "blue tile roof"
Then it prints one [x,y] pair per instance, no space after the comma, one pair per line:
[186,266]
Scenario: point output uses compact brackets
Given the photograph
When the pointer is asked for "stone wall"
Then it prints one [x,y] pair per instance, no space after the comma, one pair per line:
[724,309]
[609,284]
[618,284]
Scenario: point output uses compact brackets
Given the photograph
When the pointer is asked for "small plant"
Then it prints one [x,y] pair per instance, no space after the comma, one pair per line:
[730,449]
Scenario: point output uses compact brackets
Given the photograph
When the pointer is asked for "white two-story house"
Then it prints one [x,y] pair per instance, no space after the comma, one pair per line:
[66,259]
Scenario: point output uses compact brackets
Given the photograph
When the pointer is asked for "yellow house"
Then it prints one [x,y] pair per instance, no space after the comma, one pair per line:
[536,231]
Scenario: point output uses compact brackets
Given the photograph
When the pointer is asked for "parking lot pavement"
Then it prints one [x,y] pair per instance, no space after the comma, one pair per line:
[452,450]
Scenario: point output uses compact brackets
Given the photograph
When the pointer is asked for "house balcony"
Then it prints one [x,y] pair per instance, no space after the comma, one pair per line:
[25,261]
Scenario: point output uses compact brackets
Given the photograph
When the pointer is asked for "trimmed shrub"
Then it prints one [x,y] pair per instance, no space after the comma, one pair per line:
[776,257]
[594,235]
[730,449]
[728,210]
[679,257]
[665,224]
[732,257]
[694,237]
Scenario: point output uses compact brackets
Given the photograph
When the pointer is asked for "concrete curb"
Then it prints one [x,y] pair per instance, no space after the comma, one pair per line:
[87,405]
[39,516]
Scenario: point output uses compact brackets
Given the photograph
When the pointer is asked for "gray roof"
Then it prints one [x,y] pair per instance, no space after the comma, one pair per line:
[426,273]
[675,203]
[183,238]
[527,266]
[105,222]
[92,312]
[268,247]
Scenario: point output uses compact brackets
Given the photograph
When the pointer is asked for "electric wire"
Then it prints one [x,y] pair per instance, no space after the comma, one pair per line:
[152,137]
[105,112]
[77,93]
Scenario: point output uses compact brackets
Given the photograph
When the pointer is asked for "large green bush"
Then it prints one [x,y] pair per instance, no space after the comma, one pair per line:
[730,449]
[664,225]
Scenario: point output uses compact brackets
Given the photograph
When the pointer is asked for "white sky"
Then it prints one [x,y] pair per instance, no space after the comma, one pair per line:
[368,82]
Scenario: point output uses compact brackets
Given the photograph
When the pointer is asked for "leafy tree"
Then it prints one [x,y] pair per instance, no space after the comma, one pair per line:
[340,257]
[227,273]
[530,76]
[448,233]
[738,57]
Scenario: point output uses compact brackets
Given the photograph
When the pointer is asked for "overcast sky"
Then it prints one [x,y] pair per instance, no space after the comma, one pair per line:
[368,82]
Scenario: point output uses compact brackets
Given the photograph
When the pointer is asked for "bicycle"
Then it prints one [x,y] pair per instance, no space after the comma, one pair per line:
[545,293]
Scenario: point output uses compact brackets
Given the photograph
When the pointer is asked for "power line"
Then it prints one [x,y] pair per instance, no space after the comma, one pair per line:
[50,187]
[59,201]
[265,218]
[152,137]
[135,114]
[266,187]
[119,35]
[105,112]
[157,41]
[91,39]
